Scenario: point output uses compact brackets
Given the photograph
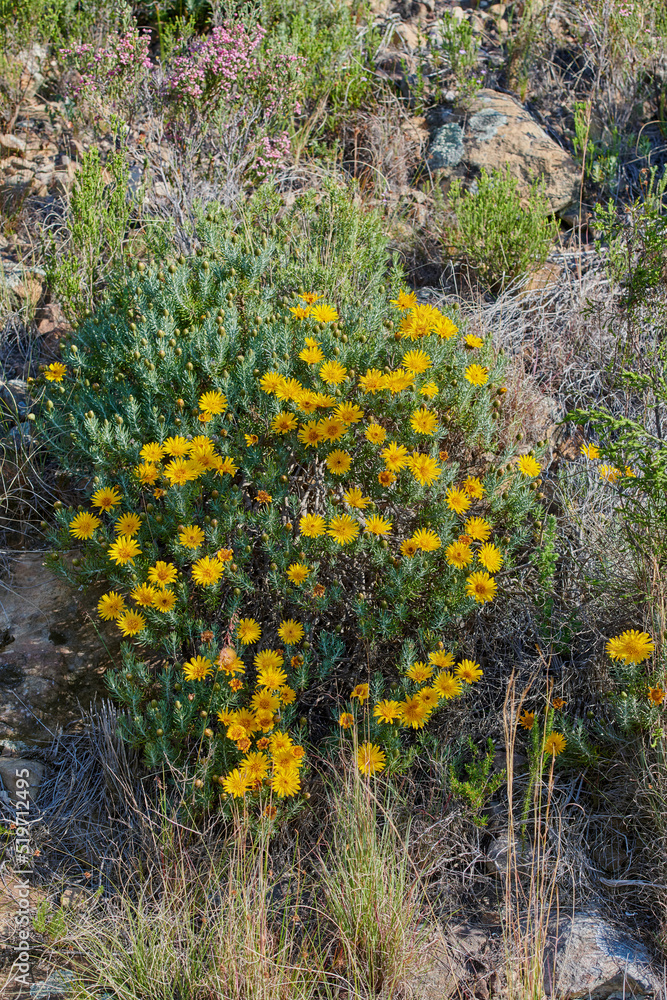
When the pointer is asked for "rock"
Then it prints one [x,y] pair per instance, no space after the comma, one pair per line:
[77,897]
[13,770]
[54,651]
[543,277]
[12,144]
[407,35]
[497,132]
[595,959]
[499,855]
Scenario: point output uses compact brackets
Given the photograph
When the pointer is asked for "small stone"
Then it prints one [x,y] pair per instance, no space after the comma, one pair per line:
[14,771]
[76,897]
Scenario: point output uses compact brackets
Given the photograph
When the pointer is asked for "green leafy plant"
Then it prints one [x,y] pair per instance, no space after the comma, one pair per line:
[478,784]
[454,52]
[495,233]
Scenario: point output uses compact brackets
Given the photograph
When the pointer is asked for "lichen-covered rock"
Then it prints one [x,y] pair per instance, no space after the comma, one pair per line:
[496,132]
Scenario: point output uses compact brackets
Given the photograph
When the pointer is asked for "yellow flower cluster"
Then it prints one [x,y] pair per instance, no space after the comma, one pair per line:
[415,710]
[344,424]
[610,473]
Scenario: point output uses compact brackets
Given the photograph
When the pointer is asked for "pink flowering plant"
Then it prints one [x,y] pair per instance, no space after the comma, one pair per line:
[233,74]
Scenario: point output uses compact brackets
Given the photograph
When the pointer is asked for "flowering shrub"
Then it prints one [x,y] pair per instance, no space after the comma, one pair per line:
[113,71]
[232,71]
[285,491]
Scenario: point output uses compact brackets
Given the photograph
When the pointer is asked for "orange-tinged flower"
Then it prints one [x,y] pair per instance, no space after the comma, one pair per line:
[346,720]
[656,695]
[360,692]
[527,720]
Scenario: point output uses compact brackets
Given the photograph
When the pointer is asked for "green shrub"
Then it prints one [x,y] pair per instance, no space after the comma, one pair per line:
[495,233]
[289,518]
[99,213]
